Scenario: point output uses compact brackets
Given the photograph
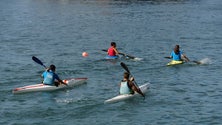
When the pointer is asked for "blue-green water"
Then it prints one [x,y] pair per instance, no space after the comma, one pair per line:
[58,31]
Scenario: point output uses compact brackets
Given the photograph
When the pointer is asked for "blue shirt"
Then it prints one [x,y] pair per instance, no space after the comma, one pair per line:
[175,56]
[49,77]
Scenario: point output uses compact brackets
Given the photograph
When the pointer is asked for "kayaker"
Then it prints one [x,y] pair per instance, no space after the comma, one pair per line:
[178,55]
[127,86]
[50,76]
[112,51]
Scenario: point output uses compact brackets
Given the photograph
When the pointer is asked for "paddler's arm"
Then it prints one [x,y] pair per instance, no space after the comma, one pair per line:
[139,91]
[168,57]
[106,51]
[60,81]
[135,88]
[185,57]
[117,52]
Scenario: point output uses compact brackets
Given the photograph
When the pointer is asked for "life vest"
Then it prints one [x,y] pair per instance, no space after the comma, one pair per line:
[111,52]
[124,88]
[176,57]
[49,77]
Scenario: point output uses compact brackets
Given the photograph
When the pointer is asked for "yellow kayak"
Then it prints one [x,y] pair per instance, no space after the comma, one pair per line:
[174,62]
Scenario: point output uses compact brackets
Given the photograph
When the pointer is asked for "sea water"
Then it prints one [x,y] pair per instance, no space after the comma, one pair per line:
[58,31]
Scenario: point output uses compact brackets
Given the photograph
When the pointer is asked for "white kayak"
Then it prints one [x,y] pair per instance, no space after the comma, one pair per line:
[41,87]
[144,88]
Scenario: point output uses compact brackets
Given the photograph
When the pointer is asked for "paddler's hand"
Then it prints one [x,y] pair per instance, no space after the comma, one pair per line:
[47,69]
[132,79]
[64,83]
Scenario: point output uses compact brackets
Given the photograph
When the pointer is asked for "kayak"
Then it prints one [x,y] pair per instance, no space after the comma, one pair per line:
[42,87]
[174,62]
[144,88]
[111,57]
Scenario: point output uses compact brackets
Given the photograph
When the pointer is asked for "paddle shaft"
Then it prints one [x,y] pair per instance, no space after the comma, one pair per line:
[126,68]
[123,54]
[197,62]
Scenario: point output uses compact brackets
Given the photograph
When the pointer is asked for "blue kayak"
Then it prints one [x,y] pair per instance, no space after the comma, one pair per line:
[111,57]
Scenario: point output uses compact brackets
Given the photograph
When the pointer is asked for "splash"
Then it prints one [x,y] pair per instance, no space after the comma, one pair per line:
[69,100]
[134,59]
[206,61]
[137,59]
[65,100]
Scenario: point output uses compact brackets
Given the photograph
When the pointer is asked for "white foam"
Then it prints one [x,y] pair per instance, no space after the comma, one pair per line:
[137,59]
[206,61]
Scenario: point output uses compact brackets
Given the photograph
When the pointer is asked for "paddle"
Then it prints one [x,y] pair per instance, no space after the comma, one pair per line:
[123,54]
[167,57]
[197,62]
[40,62]
[126,68]
[104,50]
[129,56]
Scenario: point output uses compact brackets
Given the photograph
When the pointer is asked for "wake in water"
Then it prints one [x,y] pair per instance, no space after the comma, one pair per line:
[205,61]
[133,59]
[70,100]
[137,59]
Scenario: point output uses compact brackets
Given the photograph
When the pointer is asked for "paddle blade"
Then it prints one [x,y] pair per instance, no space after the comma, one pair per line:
[104,50]
[38,61]
[125,67]
[129,56]
[167,57]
